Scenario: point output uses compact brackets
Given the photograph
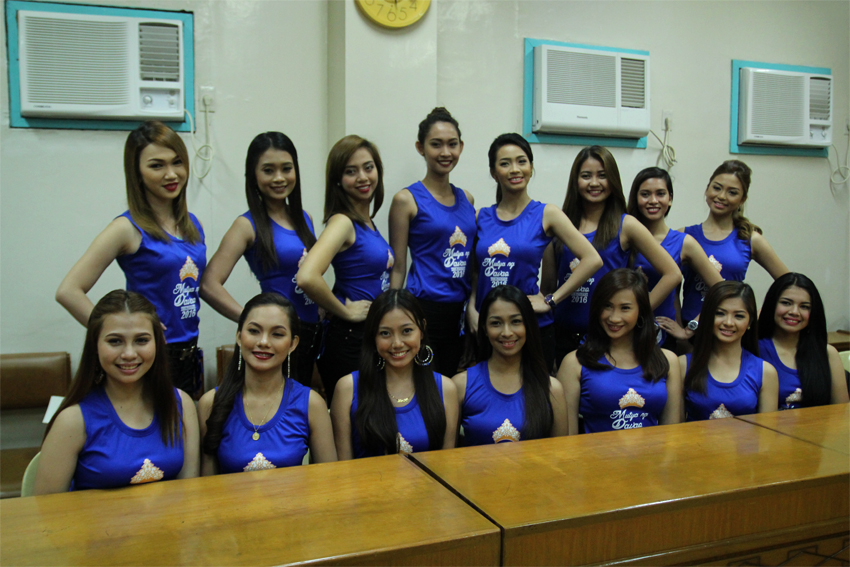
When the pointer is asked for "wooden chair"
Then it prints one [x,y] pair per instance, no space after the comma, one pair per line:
[223,354]
[26,383]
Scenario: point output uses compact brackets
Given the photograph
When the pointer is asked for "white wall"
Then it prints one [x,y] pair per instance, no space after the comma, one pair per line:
[269,62]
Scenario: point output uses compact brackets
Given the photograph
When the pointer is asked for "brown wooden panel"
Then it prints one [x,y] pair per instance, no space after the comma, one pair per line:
[28,380]
[381,510]
[828,551]
[827,426]
[839,339]
[13,463]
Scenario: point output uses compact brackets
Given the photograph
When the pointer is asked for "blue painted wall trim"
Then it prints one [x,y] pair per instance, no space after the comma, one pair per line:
[734,148]
[18,121]
[528,101]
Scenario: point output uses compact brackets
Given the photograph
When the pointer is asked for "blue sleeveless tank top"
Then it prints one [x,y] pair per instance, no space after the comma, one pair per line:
[440,239]
[573,313]
[168,275]
[615,398]
[283,439]
[412,435]
[363,270]
[739,397]
[290,253]
[731,256]
[790,389]
[117,455]
[672,243]
[487,415]
[510,252]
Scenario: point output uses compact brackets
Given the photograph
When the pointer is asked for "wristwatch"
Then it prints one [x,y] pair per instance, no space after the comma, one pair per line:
[692,325]
[550,300]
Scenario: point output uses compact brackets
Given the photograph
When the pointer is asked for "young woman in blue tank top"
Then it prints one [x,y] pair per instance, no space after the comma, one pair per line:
[158,244]
[619,378]
[728,238]
[274,236]
[514,233]
[396,402]
[260,418]
[792,337]
[650,201]
[509,396]
[361,258]
[122,422]
[437,221]
[597,208]
[724,376]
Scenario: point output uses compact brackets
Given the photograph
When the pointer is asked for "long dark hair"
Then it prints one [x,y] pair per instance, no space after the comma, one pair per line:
[234,377]
[615,204]
[265,238]
[644,175]
[439,114]
[336,201]
[743,173]
[536,384]
[374,418]
[811,356]
[156,383]
[511,139]
[697,375]
[652,361]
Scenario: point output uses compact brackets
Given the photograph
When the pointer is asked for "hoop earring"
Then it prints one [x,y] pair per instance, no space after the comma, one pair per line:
[381,363]
[639,324]
[428,357]
[239,364]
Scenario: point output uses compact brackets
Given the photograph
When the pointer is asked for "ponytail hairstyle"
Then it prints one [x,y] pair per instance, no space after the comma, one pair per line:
[265,237]
[336,201]
[155,132]
[374,419]
[156,383]
[439,114]
[615,204]
[811,356]
[502,140]
[234,376]
[697,375]
[743,173]
[652,361]
[536,383]
[645,175]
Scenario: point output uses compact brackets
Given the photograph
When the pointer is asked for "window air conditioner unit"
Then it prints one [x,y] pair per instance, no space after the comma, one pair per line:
[784,108]
[587,91]
[100,67]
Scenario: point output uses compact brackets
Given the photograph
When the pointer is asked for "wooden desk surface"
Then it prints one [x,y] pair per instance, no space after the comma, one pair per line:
[383,510]
[628,494]
[826,426]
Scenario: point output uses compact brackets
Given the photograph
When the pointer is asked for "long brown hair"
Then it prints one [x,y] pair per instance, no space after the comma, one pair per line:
[615,204]
[156,382]
[743,173]
[336,201]
[154,132]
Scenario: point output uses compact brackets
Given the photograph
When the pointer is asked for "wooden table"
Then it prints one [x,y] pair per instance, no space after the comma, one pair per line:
[694,492]
[374,511]
[839,339]
[826,426]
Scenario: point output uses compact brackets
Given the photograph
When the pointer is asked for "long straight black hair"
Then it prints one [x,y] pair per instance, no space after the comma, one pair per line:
[234,377]
[697,375]
[811,356]
[536,384]
[652,361]
[265,238]
[374,418]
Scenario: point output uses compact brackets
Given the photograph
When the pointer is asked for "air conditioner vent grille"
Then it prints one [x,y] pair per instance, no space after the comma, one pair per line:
[581,78]
[159,52]
[778,102]
[820,91]
[633,83]
[76,61]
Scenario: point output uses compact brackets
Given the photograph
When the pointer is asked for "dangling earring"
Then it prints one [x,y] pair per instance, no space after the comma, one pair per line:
[100,376]
[639,324]
[381,363]
[239,364]
[429,356]
[288,366]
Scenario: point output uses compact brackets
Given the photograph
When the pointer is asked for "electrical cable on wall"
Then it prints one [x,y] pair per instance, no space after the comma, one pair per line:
[668,153]
[205,152]
[841,173]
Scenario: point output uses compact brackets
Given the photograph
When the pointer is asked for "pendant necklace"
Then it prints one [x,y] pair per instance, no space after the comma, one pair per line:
[256,435]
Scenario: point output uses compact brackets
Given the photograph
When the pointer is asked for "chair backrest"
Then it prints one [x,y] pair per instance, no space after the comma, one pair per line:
[845,359]
[28,380]
[223,354]
[28,483]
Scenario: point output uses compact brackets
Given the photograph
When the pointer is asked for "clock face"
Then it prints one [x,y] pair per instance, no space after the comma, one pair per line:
[394,13]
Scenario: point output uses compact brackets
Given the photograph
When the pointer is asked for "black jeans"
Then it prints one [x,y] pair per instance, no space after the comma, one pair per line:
[309,347]
[186,364]
[343,342]
[565,342]
[443,322]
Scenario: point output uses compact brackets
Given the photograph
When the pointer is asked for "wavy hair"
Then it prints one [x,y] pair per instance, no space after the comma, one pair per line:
[743,173]
[336,201]
[615,204]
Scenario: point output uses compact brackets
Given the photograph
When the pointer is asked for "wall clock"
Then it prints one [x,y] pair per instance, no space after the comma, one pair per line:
[394,13]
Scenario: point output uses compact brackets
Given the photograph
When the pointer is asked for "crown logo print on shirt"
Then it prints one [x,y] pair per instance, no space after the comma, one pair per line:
[148,473]
[574,264]
[632,399]
[714,262]
[303,256]
[720,413]
[506,432]
[189,270]
[500,247]
[457,237]
[259,463]
[795,396]
[402,445]
[390,259]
